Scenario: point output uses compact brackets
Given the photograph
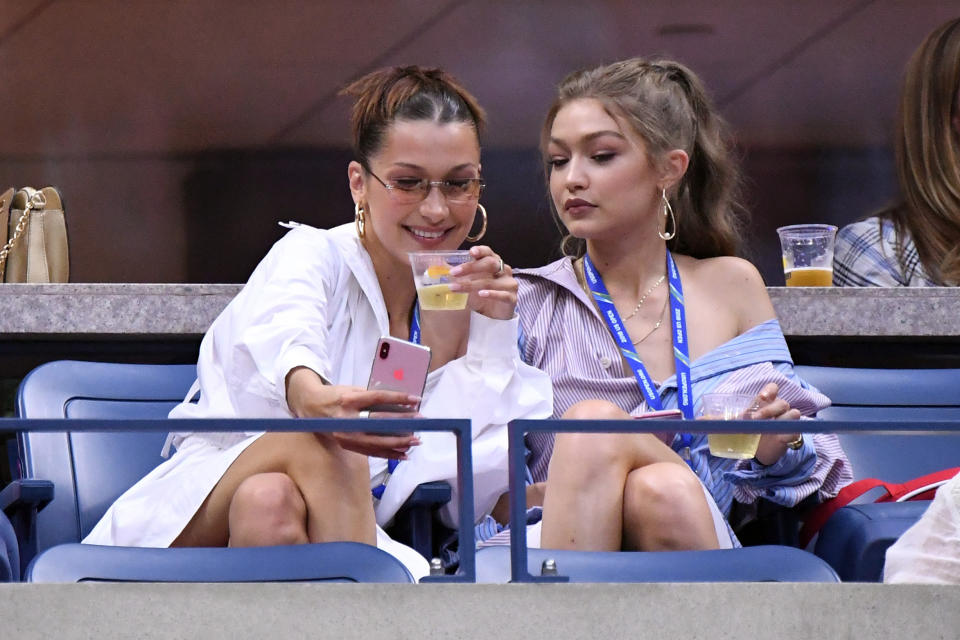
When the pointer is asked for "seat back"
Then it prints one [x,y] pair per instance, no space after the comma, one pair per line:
[890,395]
[91,470]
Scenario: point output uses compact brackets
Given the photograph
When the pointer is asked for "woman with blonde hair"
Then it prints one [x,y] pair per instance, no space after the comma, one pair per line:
[651,310]
[916,241]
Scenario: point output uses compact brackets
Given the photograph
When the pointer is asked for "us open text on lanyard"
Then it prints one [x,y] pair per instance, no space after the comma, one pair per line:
[392,463]
[681,350]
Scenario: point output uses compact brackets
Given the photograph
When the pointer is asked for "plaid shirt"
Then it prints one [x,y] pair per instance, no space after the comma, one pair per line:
[866,256]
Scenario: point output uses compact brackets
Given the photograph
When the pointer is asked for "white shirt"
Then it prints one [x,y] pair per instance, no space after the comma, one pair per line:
[315,301]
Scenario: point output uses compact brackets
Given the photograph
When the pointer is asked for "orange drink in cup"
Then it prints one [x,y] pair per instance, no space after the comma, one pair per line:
[807,254]
[729,406]
[431,273]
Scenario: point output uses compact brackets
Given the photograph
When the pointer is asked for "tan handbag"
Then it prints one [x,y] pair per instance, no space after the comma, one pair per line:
[35,234]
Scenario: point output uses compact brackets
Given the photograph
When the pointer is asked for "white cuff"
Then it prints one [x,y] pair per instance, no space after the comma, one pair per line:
[297,356]
[493,338]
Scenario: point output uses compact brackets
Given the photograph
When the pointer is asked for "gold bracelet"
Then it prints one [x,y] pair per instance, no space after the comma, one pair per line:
[796,444]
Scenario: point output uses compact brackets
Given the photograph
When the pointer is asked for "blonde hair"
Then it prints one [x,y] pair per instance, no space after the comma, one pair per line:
[667,106]
[928,157]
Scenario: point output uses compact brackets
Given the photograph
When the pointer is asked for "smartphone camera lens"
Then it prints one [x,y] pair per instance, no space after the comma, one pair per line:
[384,350]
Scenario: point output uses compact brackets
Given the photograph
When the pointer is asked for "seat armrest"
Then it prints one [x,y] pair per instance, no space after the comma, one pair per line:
[21,500]
[428,494]
[413,524]
[26,493]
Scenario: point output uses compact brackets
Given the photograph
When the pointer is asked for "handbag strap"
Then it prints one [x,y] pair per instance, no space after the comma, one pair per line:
[909,490]
[35,200]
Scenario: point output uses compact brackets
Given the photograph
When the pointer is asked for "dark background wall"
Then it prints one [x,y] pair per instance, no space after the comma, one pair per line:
[181,131]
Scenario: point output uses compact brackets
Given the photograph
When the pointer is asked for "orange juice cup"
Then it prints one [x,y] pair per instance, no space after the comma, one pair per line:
[431,273]
[808,254]
[729,406]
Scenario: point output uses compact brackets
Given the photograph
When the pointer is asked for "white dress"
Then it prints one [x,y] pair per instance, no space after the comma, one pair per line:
[315,301]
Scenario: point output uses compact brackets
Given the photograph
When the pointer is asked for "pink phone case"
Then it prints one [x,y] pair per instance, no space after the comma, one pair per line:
[663,414]
[399,366]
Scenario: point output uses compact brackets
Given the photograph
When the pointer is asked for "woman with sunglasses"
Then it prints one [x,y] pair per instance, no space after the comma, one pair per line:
[650,310]
[299,340]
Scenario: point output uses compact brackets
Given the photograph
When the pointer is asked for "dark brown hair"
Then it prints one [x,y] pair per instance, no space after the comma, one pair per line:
[405,93]
[667,106]
[928,157]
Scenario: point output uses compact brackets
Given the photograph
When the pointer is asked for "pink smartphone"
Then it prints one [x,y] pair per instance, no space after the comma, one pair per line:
[399,366]
[664,414]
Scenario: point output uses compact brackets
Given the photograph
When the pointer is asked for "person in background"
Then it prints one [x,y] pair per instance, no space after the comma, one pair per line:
[916,241]
[929,551]
[300,338]
[650,310]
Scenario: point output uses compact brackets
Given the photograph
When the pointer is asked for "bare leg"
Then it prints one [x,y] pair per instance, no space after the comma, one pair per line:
[334,485]
[664,509]
[584,503]
[267,509]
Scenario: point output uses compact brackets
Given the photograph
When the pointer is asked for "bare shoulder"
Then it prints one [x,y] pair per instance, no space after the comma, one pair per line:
[733,282]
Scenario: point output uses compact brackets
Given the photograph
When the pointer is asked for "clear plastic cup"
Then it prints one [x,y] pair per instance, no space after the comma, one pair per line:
[431,273]
[808,254]
[729,406]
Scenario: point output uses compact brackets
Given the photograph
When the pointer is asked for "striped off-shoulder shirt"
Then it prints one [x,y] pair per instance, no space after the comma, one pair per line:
[565,336]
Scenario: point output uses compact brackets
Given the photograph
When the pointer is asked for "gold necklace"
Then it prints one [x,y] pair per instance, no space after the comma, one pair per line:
[656,326]
[644,297]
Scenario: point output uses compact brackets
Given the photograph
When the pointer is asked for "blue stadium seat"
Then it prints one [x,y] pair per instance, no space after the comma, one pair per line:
[855,539]
[750,564]
[328,562]
[67,480]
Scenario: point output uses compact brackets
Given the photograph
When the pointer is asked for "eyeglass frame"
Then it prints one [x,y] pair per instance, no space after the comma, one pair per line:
[430,185]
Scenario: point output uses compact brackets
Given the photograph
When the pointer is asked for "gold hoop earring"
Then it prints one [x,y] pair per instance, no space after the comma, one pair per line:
[667,214]
[359,220]
[483,227]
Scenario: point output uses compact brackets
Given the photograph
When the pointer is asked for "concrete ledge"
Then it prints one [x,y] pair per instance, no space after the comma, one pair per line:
[634,611]
[104,311]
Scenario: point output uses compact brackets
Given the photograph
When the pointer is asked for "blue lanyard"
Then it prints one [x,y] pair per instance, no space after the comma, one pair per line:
[681,351]
[392,464]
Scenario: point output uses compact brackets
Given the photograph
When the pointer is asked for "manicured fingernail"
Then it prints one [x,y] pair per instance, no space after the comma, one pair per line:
[456,270]
[483,293]
[454,286]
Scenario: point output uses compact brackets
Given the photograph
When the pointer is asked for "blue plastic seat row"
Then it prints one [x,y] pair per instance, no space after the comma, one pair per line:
[855,539]
[69,479]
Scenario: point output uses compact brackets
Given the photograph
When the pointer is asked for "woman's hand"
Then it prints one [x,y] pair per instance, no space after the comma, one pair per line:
[309,397]
[769,407]
[490,283]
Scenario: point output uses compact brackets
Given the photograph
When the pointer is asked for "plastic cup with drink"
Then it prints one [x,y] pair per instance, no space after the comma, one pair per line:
[730,406]
[808,254]
[431,273]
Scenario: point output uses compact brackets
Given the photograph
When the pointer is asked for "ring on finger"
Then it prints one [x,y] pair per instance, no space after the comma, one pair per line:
[499,271]
[363,414]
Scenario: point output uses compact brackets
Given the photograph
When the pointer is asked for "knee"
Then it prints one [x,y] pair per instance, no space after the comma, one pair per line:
[665,509]
[661,492]
[587,455]
[267,509]
[595,410]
